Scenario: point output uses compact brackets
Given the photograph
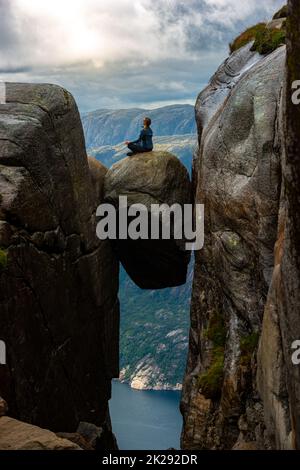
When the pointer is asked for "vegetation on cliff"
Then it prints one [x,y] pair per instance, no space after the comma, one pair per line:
[210,382]
[154,334]
[248,345]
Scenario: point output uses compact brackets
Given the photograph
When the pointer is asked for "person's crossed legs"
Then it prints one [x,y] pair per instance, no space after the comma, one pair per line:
[135,148]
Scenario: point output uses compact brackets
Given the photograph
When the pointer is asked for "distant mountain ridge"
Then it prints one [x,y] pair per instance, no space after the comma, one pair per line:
[110,127]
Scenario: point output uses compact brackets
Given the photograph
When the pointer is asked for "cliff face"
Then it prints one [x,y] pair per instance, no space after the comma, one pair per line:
[150,178]
[111,127]
[237,175]
[58,282]
[241,387]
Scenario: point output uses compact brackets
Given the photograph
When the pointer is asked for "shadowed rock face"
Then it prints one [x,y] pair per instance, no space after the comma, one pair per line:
[278,377]
[15,435]
[237,175]
[59,313]
[151,178]
[290,301]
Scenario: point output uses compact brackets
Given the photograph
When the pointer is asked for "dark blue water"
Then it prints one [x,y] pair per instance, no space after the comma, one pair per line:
[145,419]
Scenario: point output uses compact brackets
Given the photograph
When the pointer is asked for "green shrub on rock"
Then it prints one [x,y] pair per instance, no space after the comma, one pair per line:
[248,345]
[246,37]
[210,382]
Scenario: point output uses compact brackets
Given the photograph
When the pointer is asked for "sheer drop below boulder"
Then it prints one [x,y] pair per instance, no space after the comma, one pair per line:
[150,178]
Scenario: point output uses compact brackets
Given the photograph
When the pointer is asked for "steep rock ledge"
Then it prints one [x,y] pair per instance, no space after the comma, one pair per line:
[58,282]
[237,175]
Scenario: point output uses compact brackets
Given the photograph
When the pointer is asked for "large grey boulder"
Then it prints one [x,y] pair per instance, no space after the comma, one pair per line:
[151,178]
[58,282]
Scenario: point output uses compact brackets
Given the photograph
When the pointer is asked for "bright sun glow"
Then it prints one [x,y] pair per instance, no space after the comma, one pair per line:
[67,25]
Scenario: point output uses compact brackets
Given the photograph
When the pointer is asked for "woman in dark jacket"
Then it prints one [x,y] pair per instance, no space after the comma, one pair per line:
[144,142]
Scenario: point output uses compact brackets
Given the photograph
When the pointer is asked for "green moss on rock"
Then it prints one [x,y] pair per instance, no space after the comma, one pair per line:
[3,258]
[248,345]
[266,40]
[269,40]
[216,331]
[247,36]
[211,381]
[282,13]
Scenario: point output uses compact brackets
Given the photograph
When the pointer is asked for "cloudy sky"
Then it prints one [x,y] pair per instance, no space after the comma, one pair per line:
[122,53]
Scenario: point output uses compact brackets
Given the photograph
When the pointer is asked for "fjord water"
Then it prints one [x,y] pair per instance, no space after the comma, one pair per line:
[145,419]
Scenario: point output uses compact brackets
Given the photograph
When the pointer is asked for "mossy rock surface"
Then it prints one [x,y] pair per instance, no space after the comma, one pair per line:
[210,383]
[216,331]
[269,40]
[247,36]
[282,13]
[3,259]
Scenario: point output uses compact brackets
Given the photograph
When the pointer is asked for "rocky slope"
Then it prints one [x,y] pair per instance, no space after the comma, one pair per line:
[243,299]
[58,282]
[110,127]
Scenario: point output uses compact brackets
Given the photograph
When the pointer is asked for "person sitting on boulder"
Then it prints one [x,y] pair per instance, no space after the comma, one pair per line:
[144,142]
